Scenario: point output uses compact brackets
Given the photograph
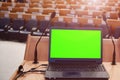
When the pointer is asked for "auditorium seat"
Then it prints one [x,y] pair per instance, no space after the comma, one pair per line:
[71,2]
[116,33]
[13,16]
[34,1]
[81,13]
[15,28]
[97,21]
[28,26]
[61,6]
[73,24]
[40,17]
[59,24]
[27,29]
[110,4]
[64,12]
[47,11]
[107,8]
[68,19]
[19,5]
[113,23]
[32,5]
[3,9]
[43,25]
[97,14]
[82,21]
[59,2]
[105,30]
[72,6]
[33,10]
[47,6]
[114,15]
[27,16]
[4,26]
[17,9]
[6,4]
[47,2]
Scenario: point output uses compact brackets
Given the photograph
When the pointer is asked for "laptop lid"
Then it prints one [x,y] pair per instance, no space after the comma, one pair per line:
[75,45]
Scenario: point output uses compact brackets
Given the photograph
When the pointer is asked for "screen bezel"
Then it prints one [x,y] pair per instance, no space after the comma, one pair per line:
[95,60]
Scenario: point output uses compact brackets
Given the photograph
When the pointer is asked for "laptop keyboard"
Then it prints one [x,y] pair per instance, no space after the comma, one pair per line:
[78,67]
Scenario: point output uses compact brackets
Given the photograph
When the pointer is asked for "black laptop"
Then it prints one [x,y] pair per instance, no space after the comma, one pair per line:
[75,54]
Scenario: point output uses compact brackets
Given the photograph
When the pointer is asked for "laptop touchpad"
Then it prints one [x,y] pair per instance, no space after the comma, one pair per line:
[71,74]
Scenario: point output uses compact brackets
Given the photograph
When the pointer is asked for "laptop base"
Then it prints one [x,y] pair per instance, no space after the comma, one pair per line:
[78,79]
[75,75]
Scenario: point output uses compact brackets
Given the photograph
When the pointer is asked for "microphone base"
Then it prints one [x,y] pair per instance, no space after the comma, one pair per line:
[113,63]
[35,62]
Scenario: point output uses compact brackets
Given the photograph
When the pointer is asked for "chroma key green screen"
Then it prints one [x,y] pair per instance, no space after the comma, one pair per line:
[72,43]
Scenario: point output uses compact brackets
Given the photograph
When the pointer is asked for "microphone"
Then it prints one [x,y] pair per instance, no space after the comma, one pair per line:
[110,35]
[35,53]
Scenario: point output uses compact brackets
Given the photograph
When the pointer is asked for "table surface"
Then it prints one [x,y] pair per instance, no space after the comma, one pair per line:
[113,70]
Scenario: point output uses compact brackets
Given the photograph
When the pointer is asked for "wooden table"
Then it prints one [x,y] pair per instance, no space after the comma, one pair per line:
[114,71]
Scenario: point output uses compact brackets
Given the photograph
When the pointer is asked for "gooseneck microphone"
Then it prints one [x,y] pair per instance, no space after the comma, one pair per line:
[45,27]
[111,36]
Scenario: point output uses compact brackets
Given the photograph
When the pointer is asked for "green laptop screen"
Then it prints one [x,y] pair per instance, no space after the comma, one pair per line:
[71,43]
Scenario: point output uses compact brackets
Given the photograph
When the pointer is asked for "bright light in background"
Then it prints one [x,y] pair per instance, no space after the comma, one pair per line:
[94,1]
[91,2]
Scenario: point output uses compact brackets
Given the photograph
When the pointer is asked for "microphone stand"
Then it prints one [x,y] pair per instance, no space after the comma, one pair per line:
[111,36]
[35,54]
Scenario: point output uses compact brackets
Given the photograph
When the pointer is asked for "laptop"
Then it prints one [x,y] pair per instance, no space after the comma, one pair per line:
[75,54]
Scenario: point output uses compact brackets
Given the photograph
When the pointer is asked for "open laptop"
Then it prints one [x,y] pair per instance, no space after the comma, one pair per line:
[75,54]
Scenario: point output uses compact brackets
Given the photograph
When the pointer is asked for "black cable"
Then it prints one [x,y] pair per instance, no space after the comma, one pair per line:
[111,36]
[21,71]
[35,54]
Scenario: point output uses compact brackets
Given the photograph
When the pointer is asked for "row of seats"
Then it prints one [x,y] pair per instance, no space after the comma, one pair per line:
[72,1]
[21,28]
[62,12]
[62,6]
[68,19]
[33,20]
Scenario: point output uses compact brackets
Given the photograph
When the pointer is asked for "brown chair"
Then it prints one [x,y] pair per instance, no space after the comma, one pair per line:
[82,21]
[4,9]
[17,9]
[64,12]
[6,4]
[33,10]
[81,13]
[97,21]
[33,5]
[48,11]
[20,5]
[68,19]
[27,17]
[47,5]
[97,14]
[1,14]
[61,6]
[113,24]
[13,16]
[34,1]
[73,6]
[113,15]
[59,2]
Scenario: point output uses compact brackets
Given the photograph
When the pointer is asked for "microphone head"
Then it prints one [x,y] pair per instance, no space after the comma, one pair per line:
[53,15]
[104,16]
